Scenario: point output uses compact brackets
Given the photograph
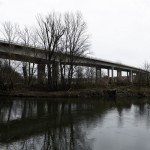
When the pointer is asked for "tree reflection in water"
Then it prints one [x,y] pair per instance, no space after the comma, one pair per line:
[41,124]
[56,124]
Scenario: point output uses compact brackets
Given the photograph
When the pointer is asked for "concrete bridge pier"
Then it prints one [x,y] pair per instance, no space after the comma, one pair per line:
[55,73]
[98,73]
[147,76]
[41,73]
[131,76]
[118,73]
[127,74]
[108,74]
[112,73]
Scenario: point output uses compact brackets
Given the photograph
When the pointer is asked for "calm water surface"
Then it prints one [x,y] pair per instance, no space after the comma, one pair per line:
[48,124]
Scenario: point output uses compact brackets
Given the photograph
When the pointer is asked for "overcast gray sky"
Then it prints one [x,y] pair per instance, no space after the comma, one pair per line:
[119,29]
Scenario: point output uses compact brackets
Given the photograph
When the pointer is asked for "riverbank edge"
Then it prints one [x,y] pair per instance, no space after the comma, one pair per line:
[86,93]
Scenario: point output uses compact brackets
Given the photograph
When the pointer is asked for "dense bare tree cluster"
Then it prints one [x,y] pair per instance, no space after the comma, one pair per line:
[64,34]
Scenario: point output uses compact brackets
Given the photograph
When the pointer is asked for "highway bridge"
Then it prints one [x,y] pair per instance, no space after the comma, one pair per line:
[19,52]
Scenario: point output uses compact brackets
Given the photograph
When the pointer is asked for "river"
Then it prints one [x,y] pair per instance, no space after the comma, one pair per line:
[71,124]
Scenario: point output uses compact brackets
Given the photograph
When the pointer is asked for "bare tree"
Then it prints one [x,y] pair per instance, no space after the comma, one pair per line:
[90,74]
[28,38]
[77,40]
[10,34]
[79,75]
[8,75]
[50,30]
[10,31]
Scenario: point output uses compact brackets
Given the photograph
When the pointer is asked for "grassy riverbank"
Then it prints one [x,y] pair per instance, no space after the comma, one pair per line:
[118,91]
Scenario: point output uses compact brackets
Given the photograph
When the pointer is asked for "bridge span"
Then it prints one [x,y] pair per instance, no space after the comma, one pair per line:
[19,52]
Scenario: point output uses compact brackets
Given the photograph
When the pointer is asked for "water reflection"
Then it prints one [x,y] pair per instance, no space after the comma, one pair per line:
[42,124]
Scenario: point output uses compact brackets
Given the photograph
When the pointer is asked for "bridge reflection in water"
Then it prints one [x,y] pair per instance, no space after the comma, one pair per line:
[57,125]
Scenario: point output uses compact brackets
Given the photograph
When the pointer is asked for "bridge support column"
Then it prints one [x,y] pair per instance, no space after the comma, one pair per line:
[147,76]
[131,76]
[41,73]
[127,74]
[119,73]
[112,73]
[98,73]
[108,73]
[55,73]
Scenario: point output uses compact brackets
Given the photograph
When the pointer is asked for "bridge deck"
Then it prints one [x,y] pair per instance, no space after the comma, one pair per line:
[38,55]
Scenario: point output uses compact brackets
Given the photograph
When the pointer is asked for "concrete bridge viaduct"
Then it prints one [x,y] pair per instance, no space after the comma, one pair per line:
[38,55]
